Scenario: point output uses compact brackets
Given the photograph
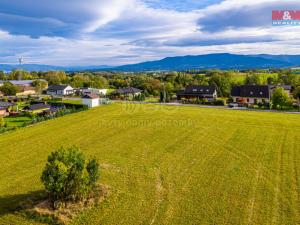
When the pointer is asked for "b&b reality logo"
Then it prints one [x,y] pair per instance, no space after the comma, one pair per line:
[286,17]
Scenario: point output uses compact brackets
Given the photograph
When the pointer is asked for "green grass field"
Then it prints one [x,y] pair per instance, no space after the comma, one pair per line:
[17,121]
[240,78]
[167,164]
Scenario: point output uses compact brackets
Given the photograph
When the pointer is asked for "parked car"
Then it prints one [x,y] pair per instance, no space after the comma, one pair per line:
[236,106]
[233,105]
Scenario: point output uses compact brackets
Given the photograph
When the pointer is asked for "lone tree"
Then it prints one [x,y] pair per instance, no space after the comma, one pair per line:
[164,96]
[280,99]
[297,95]
[68,176]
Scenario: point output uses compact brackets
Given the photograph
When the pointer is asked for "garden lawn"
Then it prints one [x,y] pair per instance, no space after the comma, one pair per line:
[70,101]
[167,164]
[151,100]
[16,121]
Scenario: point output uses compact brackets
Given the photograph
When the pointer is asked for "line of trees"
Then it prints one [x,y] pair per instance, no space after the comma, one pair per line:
[170,82]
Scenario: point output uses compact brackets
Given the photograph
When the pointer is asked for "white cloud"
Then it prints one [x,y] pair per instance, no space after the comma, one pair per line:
[107,11]
[237,13]
[97,32]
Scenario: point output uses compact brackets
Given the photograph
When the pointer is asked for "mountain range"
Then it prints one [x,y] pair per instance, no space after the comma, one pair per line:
[180,63]
[41,67]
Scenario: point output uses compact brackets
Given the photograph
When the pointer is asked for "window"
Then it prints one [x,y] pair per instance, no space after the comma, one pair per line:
[194,90]
[251,92]
[260,93]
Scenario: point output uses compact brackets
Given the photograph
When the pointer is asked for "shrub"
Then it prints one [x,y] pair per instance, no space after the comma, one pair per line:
[198,101]
[2,122]
[140,97]
[281,99]
[220,102]
[68,177]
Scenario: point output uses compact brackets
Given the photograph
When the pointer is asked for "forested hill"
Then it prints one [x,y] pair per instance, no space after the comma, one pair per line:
[179,63]
[216,61]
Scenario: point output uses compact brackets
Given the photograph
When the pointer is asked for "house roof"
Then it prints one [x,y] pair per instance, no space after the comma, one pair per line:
[6,104]
[200,89]
[57,87]
[251,91]
[236,91]
[128,90]
[52,110]
[38,106]
[90,96]
[21,82]
[197,90]
[91,89]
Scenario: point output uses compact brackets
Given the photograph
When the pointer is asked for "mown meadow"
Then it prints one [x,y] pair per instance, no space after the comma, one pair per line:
[166,164]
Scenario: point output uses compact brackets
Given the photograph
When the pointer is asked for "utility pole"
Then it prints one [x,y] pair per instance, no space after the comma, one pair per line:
[21,60]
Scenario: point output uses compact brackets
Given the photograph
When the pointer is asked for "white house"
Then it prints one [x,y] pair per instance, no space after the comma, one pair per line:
[91,100]
[96,91]
[60,90]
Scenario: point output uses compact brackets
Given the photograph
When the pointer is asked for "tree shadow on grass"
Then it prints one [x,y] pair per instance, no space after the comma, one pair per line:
[12,204]
[36,206]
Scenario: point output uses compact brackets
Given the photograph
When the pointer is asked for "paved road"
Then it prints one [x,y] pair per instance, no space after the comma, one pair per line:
[193,105]
[209,106]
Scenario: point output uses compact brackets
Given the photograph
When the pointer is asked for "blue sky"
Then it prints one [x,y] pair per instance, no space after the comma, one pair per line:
[116,32]
[180,5]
